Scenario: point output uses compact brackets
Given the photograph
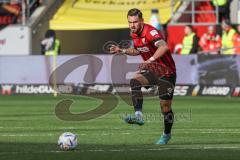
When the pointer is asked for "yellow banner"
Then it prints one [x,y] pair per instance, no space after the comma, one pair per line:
[105,14]
[120,5]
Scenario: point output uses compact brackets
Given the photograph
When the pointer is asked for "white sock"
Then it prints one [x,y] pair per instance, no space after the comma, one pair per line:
[138,114]
[167,134]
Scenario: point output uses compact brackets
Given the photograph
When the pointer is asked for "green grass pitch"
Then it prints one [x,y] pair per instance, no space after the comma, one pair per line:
[206,128]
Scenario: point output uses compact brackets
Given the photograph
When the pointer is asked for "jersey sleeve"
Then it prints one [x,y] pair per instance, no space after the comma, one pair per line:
[154,37]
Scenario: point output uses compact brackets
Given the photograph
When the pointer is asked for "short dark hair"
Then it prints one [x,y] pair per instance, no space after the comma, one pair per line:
[135,12]
[189,26]
[50,33]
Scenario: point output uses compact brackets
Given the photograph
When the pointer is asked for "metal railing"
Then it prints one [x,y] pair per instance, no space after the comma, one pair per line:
[238,16]
[189,8]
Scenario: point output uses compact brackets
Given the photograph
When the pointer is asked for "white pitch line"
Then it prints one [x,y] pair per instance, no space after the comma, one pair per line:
[64,128]
[126,133]
[209,129]
[36,135]
[25,135]
[52,128]
[111,134]
[211,132]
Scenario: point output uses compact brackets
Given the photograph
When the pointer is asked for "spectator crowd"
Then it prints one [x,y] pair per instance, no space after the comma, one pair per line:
[212,42]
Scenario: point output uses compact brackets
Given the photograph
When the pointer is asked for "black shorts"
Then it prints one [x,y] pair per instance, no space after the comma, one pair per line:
[165,84]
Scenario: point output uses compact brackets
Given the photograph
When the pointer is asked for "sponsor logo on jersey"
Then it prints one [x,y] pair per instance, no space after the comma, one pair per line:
[169,91]
[154,32]
[143,49]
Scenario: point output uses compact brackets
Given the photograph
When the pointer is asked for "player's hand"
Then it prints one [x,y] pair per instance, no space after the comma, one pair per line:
[114,49]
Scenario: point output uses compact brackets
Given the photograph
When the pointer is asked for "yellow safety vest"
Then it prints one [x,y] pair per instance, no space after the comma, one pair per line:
[55,50]
[227,42]
[219,2]
[187,44]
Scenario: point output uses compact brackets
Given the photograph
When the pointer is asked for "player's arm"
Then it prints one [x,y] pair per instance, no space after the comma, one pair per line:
[128,51]
[162,49]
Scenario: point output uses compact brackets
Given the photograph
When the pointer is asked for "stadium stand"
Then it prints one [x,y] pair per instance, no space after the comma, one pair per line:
[76,21]
[24,22]
[208,15]
[85,90]
[10,13]
[13,11]
[199,14]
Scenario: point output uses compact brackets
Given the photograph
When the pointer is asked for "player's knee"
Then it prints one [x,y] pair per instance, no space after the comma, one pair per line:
[135,84]
[165,105]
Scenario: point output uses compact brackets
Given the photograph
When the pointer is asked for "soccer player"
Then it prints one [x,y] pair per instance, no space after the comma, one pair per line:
[158,69]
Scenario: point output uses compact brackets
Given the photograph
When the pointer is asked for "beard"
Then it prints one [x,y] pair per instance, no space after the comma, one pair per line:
[136,30]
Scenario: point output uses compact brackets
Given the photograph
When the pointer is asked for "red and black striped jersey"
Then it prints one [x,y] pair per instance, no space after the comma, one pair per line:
[147,43]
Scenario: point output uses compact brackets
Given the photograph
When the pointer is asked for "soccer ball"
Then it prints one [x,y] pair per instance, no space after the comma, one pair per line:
[67,141]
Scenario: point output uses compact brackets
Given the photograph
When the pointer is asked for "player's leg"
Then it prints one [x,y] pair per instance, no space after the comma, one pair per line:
[137,97]
[166,90]
[167,114]
[140,79]
[168,121]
